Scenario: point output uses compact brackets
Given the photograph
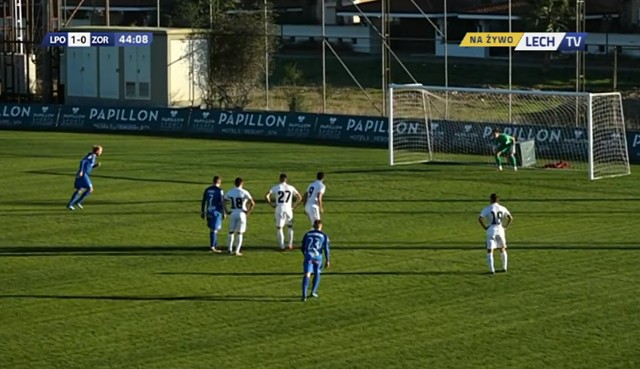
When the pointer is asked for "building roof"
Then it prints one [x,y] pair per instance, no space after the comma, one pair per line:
[276,4]
[522,7]
[113,4]
[408,8]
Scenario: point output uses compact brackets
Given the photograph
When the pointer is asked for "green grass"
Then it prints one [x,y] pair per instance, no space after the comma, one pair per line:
[128,282]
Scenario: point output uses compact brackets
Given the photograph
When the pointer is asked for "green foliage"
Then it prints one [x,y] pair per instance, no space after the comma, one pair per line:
[242,43]
[195,13]
[549,15]
[128,282]
[241,40]
[295,96]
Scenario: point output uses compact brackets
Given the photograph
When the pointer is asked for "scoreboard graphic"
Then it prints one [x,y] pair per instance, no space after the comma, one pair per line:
[97,39]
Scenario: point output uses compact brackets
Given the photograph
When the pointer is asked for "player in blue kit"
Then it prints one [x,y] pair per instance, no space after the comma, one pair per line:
[314,244]
[212,209]
[83,184]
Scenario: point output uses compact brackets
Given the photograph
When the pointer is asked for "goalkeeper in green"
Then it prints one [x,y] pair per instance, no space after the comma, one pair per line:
[506,147]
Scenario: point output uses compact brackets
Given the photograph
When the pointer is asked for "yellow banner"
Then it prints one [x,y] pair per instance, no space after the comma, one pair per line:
[491,39]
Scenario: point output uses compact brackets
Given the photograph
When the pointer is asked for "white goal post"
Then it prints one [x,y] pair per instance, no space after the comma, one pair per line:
[584,131]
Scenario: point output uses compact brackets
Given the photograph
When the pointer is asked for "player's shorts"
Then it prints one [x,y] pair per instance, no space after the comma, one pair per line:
[284,218]
[509,149]
[83,182]
[313,212]
[309,264]
[496,239]
[214,220]
[238,222]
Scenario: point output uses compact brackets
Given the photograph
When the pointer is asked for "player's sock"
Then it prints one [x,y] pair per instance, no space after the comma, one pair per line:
[490,262]
[84,196]
[230,242]
[280,235]
[316,283]
[74,198]
[240,237]
[305,286]
[505,259]
[498,161]
[512,159]
[213,237]
[290,237]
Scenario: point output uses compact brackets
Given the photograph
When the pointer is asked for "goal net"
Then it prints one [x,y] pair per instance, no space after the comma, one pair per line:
[584,131]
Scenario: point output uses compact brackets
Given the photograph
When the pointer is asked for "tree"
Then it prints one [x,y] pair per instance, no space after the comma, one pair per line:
[196,13]
[241,42]
[549,16]
[234,65]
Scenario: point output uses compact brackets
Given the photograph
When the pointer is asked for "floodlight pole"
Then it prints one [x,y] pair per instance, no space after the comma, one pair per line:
[107,10]
[446,58]
[385,20]
[266,55]
[579,58]
[210,14]
[510,68]
[324,58]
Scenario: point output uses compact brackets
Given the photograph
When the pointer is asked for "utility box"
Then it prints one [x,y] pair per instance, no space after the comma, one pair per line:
[169,72]
[526,153]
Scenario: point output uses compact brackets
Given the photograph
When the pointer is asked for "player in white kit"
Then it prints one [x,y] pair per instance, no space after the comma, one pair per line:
[496,214]
[241,205]
[313,204]
[283,194]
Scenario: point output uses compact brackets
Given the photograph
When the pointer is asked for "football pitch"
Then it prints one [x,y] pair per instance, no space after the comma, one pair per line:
[128,282]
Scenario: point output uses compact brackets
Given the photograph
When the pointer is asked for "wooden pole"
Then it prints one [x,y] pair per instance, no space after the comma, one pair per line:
[107,11]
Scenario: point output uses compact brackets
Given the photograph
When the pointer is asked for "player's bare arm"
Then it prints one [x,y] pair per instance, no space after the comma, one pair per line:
[226,209]
[252,204]
[267,197]
[509,221]
[481,220]
[298,200]
[202,204]
[320,202]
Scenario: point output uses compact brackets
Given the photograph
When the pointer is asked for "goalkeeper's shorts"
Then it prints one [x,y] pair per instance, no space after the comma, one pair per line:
[508,149]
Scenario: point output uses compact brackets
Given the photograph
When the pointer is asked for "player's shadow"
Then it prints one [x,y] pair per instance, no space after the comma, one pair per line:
[330,273]
[532,212]
[124,178]
[61,205]
[476,200]
[212,298]
[426,167]
[163,251]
